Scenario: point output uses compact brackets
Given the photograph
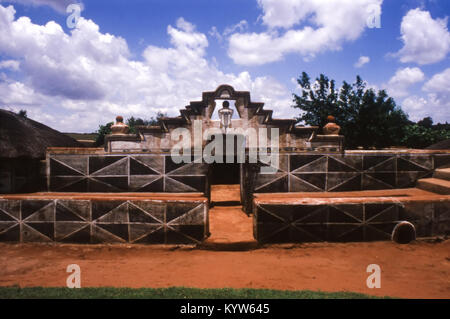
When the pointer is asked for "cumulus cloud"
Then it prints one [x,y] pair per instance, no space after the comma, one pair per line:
[327,26]
[362,61]
[76,81]
[439,83]
[399,84]
[241,26]
[436,103]
[10,64]
[426,40]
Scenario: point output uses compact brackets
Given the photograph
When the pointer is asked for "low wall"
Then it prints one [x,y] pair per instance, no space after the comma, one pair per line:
[368,216]
[130,172]
[352,171]
[103,218]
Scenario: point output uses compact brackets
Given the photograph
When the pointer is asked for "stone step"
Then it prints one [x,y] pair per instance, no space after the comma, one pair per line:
[435,185]
[442,173]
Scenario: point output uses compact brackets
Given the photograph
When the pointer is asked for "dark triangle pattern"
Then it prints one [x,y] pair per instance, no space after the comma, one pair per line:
[156,186]
[171,165]
[58,169]
[139,181]
[5,217]
[318,180]
[80,208]
[370,183]
[157,236]
[337,216]
[64,229]
[279,185]
[79,164]
[29,207]
[83,236]
[138,168]
[173,186]
[156,163]
[192,217]
[387,178]
[100,208]
[69,184]
[137,215]
[352,184]
[98,162]
[336,179]
[65,214]
[119,230]
[389,165]
[405,165]
[298,161]
[372,161]
[119,167]
[335,165]
[46,229]
[196,183]
[11,207]
[138,231]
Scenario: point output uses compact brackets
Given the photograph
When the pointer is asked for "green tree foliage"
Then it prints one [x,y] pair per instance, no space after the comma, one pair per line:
[367,118]
[102,131]
[424,134]
[132,122]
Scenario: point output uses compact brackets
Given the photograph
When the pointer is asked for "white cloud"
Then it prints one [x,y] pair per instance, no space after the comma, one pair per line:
[425,40]
[436,103]
[10,64]
[439,83]
[399,84]
[362,61]
[241,26]
[328,25]
[76,81]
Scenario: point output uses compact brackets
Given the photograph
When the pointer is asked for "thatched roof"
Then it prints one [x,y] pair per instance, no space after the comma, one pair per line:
[442,145]
[23,137]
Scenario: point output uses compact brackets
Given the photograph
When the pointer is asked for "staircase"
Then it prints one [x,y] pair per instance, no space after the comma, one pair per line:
[439,183]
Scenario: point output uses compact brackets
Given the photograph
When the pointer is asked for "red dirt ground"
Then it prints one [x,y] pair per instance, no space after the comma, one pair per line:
[231,258]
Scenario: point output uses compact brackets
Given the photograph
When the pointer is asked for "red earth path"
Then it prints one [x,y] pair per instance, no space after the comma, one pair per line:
[231,258]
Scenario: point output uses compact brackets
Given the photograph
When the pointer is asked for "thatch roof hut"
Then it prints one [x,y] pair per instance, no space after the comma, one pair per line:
[442,145]
[23,143]
[21,137]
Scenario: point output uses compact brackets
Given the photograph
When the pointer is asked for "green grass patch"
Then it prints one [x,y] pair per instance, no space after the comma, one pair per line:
[169,293]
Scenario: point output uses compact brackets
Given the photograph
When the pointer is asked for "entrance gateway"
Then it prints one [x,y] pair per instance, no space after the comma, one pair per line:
[133,190]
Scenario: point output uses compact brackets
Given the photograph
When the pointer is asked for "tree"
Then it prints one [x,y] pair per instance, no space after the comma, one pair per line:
[426,122]
[424,133]
[132,122]
[103,130]
[367,118]
[22,113]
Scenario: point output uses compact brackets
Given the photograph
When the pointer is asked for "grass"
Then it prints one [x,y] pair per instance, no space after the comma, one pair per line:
[169,293]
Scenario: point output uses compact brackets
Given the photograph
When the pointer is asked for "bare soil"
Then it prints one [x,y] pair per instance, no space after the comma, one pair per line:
[231,258]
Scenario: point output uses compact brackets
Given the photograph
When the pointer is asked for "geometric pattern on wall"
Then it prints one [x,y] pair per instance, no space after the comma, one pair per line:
[349,172]
[103,221]
[125,173]
[335,223]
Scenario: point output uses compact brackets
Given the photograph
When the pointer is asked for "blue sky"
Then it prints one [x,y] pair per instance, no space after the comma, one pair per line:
[139,57]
